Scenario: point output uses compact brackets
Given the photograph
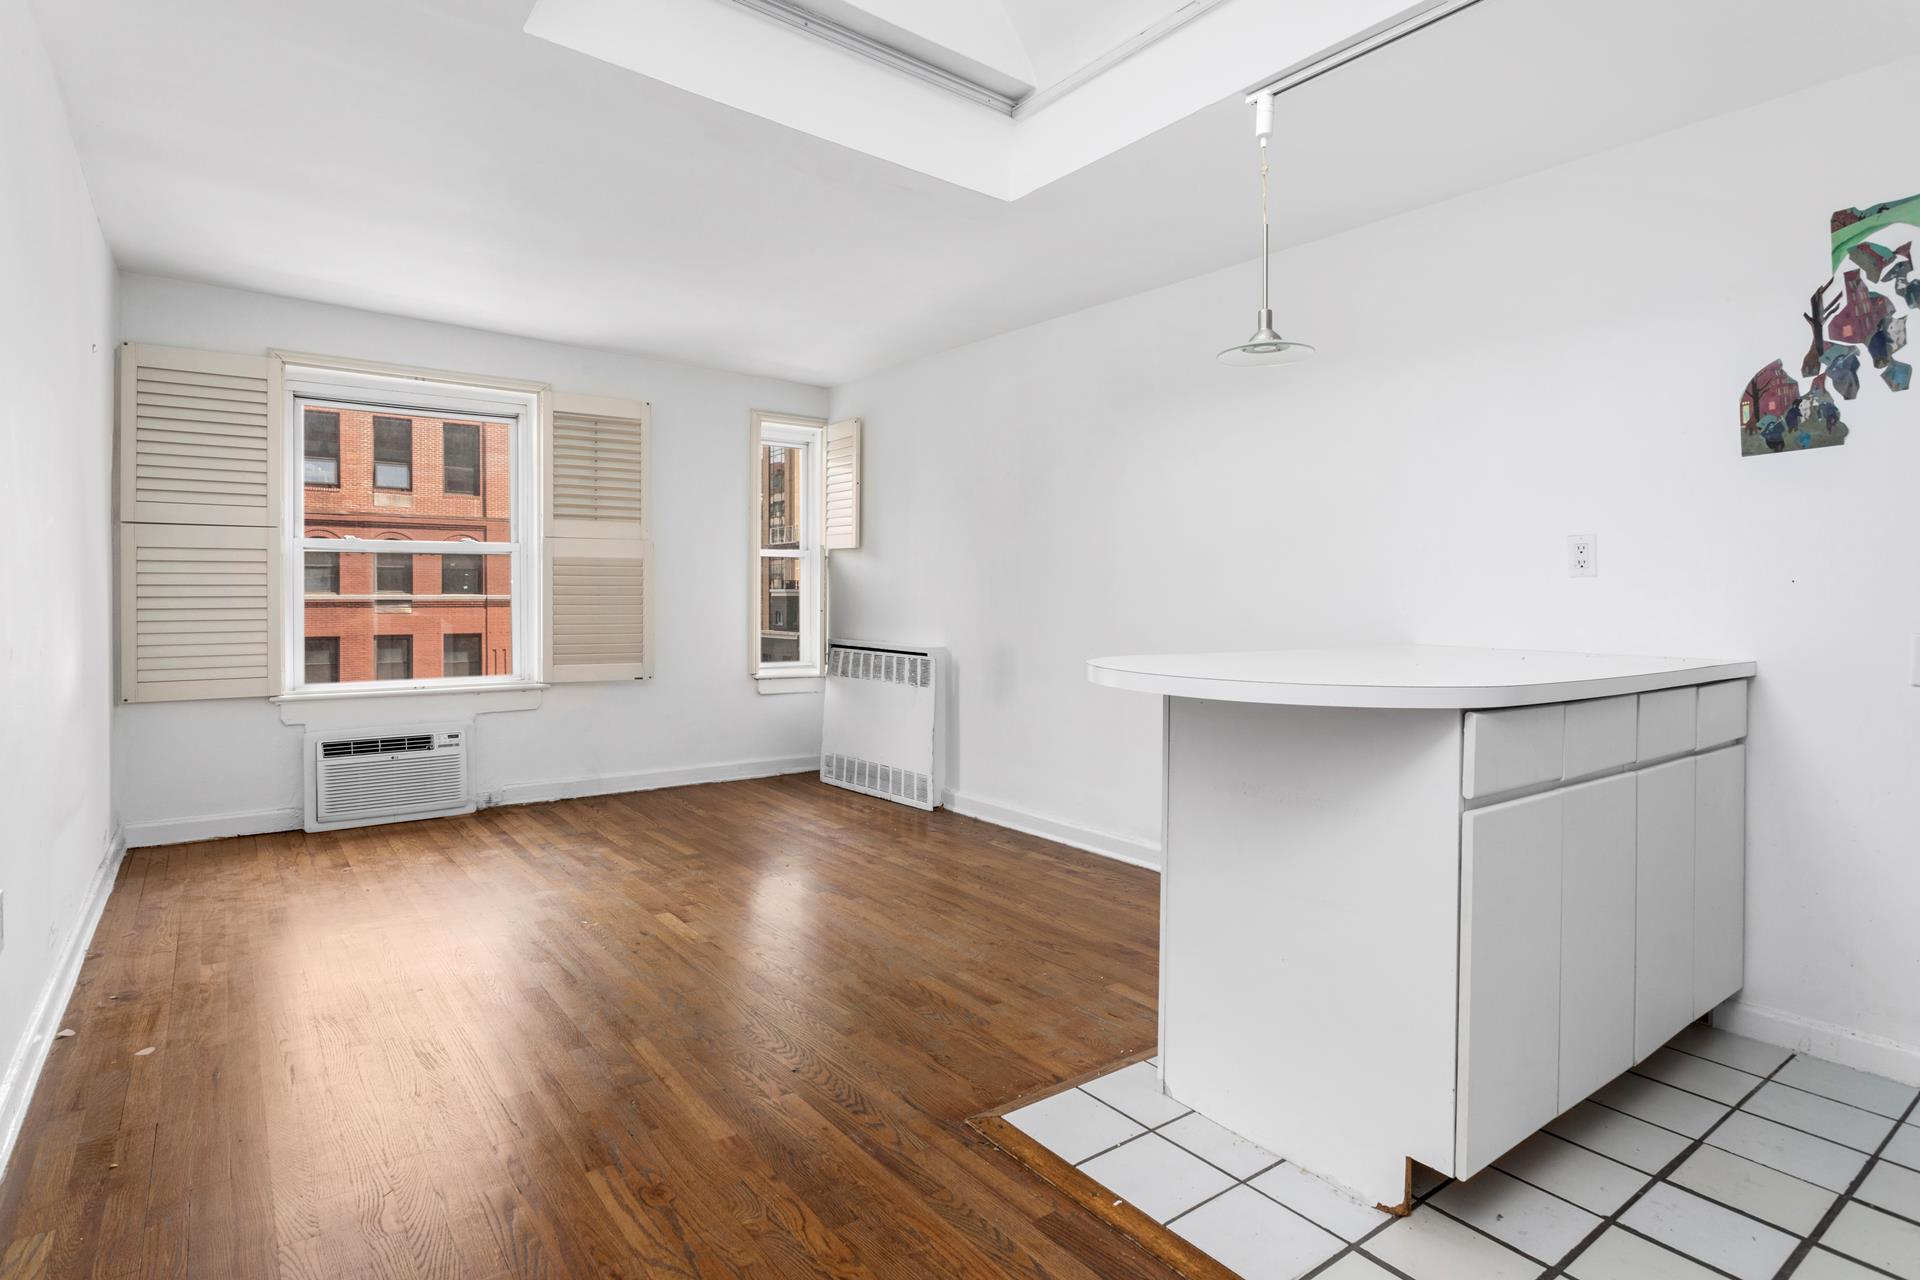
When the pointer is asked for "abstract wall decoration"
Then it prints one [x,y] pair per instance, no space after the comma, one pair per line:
[1776,416]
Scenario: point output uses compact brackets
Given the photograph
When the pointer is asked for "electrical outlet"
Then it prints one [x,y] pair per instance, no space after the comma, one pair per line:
[1583,555]
[3,920]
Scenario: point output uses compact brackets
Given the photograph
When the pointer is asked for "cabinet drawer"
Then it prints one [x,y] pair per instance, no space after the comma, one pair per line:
[1667,723]
[1601,736]
[1722,715]
[1506,750]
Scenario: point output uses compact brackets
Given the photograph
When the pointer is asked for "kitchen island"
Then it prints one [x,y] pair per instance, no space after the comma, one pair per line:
[1419,900]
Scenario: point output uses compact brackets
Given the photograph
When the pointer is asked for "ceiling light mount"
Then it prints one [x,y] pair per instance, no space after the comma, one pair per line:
[1266,346]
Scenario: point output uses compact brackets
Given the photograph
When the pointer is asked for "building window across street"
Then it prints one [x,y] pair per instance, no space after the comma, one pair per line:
[460,458]
[323,659]
[320,464]
[393,453]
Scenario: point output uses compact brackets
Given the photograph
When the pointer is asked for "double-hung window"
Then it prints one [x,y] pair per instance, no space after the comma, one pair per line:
[788,571]
[415,575]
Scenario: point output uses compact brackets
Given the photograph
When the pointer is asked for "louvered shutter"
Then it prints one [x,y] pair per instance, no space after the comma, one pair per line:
[841,509]
[599,581]
[198,605]
[200,486]
[199,438]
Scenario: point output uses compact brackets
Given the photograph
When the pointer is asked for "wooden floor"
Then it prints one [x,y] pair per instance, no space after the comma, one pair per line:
[731,1030]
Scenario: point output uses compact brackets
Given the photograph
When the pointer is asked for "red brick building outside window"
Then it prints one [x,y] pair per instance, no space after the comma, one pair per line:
[382,612]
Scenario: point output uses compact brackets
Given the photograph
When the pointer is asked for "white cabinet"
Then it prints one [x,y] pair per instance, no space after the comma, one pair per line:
[1597,918]
[1597,912]
[1719,872]
[1663,913]
[1510,974]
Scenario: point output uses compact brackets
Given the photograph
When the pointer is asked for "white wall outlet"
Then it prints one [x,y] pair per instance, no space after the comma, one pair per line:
[1583,555]
[1916,660]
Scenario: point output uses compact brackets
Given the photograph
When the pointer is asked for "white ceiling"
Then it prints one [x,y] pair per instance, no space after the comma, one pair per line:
[430,158]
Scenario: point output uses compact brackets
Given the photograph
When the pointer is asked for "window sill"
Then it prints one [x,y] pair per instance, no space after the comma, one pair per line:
[798,682]
[345,695]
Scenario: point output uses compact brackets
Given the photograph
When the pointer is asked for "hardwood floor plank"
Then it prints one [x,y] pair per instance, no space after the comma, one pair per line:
[709,1033]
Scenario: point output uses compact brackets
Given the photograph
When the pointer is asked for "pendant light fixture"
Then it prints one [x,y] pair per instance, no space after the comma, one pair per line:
[1265,346]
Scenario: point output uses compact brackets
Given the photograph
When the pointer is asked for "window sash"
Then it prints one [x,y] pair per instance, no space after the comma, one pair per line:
[803,440]
[390,391]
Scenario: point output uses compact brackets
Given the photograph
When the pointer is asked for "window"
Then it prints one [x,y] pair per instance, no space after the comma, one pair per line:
[460,655]
[393,657]
[321,463]
[323,659]
[788,569]
[462,575]
[460,458]
[393,572]
[392,453]
[390,568]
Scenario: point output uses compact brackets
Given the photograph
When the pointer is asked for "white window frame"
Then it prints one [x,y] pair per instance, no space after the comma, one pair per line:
[365,385]
[809,436]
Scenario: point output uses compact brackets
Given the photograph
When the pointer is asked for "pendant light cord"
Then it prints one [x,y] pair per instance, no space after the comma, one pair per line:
[1266,235]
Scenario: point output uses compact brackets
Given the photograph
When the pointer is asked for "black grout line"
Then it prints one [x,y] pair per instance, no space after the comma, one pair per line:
[1559,1268]
[1555,1271]
[1846,1198]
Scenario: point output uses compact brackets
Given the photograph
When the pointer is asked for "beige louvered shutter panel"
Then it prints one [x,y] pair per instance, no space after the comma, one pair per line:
[841,509]
[600,588]
[200,486]
[199,437]
[198,605]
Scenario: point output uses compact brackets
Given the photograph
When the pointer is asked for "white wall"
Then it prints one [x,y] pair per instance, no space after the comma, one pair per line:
[191,769]
[56,343]
[1561,354]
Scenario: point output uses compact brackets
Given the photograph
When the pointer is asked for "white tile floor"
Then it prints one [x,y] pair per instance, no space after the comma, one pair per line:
[1717,1157]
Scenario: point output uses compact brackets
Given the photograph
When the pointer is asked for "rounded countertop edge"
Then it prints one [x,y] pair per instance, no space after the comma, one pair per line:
[1415,697]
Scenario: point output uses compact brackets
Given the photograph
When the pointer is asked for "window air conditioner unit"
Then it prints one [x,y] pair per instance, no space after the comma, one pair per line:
[883,725]
[386,775]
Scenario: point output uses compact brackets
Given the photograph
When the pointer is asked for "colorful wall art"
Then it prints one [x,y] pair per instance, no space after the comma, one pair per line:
[1858,323]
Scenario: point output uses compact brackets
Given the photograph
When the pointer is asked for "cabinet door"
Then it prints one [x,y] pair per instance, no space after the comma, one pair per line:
[1663,948]
[1719,876]
[1509,977]
[1596,936]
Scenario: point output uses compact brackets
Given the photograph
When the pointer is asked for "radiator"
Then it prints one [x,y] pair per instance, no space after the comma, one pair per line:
[386,775]
[883,726]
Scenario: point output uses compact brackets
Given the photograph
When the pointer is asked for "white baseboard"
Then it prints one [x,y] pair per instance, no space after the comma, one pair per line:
[1849,1048]
[650,780]
[217,826]
[213,826]
[30,1055]
[1107,844]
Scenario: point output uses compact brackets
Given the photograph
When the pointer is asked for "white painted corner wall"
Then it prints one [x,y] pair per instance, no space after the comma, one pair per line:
[195,770]
[59,853]
[1560,354]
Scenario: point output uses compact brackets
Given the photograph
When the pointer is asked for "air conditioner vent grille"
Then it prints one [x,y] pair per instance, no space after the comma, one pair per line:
[376,746]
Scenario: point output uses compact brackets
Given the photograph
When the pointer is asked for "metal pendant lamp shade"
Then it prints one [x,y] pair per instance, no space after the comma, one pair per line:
[1265,346]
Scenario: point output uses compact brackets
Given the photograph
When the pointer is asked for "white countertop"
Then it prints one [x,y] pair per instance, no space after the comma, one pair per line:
[1408,675]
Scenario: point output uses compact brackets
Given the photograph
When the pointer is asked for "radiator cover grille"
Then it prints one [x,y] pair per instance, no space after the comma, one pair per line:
[881,723]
